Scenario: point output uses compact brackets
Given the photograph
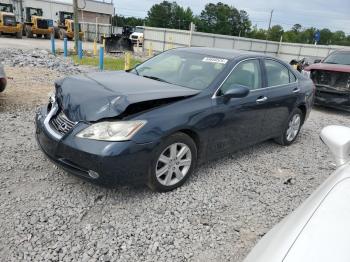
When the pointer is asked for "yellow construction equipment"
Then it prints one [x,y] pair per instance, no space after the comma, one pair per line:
[36,25]
[65,26]
[8,23]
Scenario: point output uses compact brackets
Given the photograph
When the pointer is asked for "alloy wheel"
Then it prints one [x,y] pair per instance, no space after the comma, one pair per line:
[293,127]
[173,164]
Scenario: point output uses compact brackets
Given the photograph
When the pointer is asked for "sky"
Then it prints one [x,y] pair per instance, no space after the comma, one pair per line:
[332,14]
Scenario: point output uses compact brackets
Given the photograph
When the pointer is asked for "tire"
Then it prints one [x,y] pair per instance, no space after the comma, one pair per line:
[291,129]
[39,36]
[29,32]
[57,33]
[47,36]
[173,174]
[62,33]
[2,84]
[19,35]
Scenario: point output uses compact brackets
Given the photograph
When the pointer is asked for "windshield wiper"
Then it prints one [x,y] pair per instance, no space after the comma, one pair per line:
[333,63]
[156,78]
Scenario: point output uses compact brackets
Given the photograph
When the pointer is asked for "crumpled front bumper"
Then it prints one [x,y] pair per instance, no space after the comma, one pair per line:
[331,98]
[114,162]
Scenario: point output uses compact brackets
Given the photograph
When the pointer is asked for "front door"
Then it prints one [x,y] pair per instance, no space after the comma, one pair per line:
[239,120]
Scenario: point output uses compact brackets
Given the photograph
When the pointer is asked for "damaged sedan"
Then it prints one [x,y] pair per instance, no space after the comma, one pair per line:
[332,80]
[156,122]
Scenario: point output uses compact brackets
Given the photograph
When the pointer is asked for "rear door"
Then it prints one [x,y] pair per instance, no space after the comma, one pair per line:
[282,91]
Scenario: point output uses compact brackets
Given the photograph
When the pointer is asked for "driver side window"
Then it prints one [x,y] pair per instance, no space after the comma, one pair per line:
[246,73]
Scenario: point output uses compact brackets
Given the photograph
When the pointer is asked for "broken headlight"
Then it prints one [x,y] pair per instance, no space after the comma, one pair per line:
[112,131]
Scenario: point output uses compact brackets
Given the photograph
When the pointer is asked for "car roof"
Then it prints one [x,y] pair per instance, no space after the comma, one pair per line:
[223,53]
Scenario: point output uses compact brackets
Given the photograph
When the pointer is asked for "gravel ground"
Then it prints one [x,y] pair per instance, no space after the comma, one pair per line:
[227,205]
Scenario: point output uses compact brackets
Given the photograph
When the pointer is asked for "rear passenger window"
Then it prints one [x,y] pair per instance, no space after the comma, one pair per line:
[276,73]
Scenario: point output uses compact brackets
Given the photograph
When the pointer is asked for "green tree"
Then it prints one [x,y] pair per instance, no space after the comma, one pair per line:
[223,19]
[123,21]
[169,15]
[275,33]
[296,28]
[326,36]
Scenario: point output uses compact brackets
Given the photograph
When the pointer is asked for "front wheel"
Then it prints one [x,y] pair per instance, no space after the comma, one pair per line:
[292,128]
[174,161]
[19,35]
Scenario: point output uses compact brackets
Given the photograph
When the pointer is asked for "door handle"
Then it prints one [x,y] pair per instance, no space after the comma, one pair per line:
[296,90]
[261,99]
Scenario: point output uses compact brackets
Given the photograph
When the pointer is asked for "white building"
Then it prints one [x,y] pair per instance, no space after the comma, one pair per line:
[90,11]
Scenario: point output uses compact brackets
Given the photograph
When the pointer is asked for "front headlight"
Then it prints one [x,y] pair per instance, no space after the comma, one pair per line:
[112,131]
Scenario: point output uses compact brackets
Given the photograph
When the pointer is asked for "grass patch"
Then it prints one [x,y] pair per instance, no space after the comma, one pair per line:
[110,63]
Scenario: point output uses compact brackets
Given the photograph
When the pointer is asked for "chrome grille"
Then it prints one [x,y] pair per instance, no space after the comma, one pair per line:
[62,124]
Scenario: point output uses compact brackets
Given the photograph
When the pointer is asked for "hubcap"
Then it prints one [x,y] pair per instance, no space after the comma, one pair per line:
[293,127]
[173,164]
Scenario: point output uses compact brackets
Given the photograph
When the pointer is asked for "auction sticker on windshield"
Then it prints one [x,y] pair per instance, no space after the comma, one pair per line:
[214,60]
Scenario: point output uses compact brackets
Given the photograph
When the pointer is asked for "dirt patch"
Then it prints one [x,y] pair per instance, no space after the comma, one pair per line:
[27,87]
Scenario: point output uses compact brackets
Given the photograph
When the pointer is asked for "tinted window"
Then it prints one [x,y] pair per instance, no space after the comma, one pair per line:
[276,73]
[342,58]
[246,73]
[183,68]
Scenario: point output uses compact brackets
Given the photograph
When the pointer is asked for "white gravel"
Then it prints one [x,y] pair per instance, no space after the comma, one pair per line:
[49,215]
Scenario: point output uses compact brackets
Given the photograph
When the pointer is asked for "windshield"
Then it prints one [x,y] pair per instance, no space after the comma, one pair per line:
[342,58]
[182,68]
[139,29]
[6,8]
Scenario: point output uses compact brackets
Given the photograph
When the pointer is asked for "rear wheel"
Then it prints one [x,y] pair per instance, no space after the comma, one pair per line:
[39,36]
[47,36]
[29,32]
[62,33]
[173,162]
[292,128]
[19,35]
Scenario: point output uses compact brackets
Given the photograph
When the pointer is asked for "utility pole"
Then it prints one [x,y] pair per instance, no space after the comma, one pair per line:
[268,30]
[76,24]
[21,10]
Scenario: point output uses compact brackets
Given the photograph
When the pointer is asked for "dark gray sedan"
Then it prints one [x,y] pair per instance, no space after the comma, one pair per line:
[185,106]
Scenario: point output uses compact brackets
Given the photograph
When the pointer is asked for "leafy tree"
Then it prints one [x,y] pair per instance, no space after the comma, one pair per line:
[275,33]
[296,28]
[123,21]
[257,33]
[223,19]
[326,36]
[169,15]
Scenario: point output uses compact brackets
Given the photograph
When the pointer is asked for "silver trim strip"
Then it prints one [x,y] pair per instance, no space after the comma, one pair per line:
[52,112]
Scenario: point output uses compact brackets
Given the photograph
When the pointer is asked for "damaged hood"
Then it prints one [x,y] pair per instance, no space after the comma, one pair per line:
[329,67]
[91,97]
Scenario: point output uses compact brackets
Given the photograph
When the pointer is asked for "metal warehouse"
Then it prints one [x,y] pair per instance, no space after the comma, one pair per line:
[90,11]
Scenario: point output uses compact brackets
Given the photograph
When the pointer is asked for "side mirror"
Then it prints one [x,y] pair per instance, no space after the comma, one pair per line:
[236,91]
[337,138]
[317,61]
[56,13]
